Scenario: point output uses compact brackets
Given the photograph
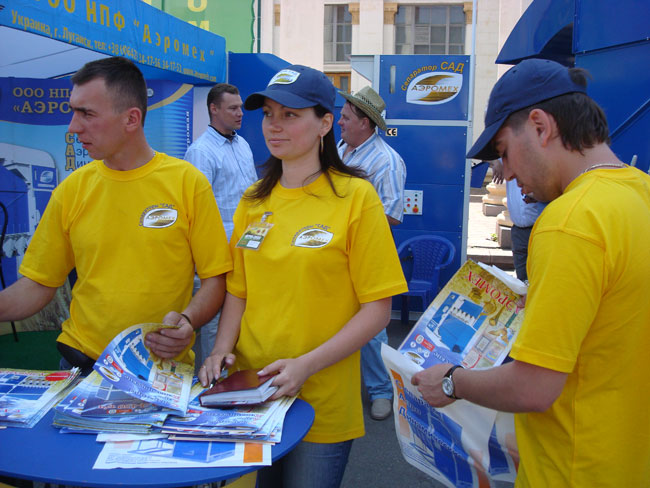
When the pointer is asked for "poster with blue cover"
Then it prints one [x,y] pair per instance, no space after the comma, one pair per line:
[473,321]
[37,152]
[462,445]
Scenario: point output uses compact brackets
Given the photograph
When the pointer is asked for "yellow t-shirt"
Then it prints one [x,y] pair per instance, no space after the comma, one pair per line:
[323,257]
[134,238]
[587,315]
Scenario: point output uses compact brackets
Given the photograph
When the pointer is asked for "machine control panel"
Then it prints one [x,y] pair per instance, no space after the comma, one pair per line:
[413,202]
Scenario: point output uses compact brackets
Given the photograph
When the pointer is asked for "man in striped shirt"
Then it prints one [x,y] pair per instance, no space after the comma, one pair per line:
[225,158]
[362,147]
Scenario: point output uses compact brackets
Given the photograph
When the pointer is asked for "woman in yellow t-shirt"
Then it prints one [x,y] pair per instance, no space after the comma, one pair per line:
[315,268]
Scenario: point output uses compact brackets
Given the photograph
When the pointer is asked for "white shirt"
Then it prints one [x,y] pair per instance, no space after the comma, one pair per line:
[229,167]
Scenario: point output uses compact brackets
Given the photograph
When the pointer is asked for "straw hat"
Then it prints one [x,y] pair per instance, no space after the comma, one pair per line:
[370,103]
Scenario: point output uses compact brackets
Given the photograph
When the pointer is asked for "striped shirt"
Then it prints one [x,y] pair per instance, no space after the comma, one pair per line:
[385,168]
[228,165]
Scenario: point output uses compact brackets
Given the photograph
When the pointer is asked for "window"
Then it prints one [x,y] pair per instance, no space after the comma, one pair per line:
[340,80]
[430,29]
[338,34]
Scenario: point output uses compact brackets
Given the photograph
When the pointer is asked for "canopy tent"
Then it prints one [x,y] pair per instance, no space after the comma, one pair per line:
[55,38]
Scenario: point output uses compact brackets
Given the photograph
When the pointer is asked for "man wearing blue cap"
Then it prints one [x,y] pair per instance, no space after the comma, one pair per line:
[578,383]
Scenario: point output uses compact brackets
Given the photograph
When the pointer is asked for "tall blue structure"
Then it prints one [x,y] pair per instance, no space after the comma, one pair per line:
[612,41]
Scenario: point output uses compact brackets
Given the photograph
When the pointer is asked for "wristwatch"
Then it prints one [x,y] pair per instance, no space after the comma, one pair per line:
[448,383]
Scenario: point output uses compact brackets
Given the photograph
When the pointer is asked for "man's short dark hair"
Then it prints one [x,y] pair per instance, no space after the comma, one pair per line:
[123,79]
[216,93]
[362,115]
[580,120]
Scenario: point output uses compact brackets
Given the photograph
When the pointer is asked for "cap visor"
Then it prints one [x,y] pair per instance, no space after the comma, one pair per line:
[256,100]
[482,149]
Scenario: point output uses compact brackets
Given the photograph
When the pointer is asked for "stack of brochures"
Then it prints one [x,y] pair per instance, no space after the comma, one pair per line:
[139,406]
[131,391]
[95,405]
[261,422]
[27,395]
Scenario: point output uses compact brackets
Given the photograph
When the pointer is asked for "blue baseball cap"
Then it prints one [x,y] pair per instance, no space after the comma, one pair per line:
[531,81]
[296,86]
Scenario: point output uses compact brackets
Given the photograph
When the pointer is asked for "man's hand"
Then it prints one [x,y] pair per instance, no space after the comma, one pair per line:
[497,171]
[167,343]
[429,383]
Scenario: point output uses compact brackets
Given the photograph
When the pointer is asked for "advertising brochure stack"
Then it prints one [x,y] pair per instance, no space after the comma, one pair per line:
[26,395]
[145,410]
[260,423]
[95,406]
[472,322]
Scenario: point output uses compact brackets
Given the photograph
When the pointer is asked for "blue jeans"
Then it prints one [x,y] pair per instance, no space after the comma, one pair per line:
[309,465]
[373,371]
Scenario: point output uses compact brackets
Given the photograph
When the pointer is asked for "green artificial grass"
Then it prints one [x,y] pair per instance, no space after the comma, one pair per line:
[34,350]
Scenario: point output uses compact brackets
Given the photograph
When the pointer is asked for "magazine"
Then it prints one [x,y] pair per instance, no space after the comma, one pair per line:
[70,418]
[131,367]
[27,395]
[473,321]
[460,445]
[108,401]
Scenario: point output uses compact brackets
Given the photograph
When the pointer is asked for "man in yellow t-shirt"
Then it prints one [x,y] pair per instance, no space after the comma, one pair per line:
[134,223]
[578,384]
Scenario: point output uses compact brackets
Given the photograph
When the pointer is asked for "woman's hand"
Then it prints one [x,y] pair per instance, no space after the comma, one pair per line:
[213,365]
[291,375]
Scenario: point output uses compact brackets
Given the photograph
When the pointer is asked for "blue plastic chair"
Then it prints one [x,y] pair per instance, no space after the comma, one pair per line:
[430,254]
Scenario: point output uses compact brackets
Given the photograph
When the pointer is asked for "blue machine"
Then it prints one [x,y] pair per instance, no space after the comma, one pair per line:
[427,116]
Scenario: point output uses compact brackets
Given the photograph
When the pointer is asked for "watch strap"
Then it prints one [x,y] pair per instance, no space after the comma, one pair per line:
[448,375]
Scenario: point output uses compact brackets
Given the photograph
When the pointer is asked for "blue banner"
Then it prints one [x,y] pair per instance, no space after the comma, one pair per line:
[126,28]
[37,151]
